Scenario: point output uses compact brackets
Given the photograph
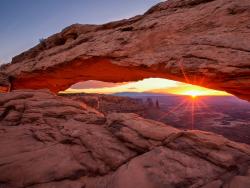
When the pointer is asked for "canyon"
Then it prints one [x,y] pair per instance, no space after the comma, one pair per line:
[225,115]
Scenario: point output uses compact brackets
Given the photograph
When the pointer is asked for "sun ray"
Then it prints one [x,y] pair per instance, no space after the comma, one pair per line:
[192,113]
[172,110]
[183,71]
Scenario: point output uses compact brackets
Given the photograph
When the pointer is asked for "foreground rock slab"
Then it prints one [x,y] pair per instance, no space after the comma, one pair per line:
[50,141]
[204,42]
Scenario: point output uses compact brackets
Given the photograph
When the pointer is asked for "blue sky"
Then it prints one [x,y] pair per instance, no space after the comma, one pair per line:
[24,22]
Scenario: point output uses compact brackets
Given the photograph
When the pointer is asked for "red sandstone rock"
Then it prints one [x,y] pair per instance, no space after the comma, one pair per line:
[50,141]
[204,42]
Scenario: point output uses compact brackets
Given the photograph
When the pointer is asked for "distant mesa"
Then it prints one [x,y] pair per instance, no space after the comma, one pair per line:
[140,94]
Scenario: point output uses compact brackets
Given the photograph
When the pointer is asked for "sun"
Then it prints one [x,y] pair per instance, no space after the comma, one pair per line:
[193,93]
[193,96]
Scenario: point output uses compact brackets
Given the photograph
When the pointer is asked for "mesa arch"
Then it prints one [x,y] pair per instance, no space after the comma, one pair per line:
[203,42]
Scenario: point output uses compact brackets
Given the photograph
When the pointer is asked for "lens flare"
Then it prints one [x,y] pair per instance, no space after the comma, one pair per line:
[193,93]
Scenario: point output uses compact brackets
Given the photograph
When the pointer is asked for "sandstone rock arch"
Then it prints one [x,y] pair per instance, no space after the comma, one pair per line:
[204,42]
[53,141]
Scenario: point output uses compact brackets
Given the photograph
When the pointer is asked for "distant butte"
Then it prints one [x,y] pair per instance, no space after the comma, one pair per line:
[204,42]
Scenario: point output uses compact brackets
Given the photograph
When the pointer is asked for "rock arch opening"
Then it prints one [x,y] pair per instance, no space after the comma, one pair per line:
[60,77]
[147,85]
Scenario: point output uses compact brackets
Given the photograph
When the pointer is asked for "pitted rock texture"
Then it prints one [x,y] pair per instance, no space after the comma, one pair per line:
[204,42]
[50,141]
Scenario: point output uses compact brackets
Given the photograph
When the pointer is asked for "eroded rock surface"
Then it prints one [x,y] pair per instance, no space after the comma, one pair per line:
[204,42]
[109,103]
[50,141]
